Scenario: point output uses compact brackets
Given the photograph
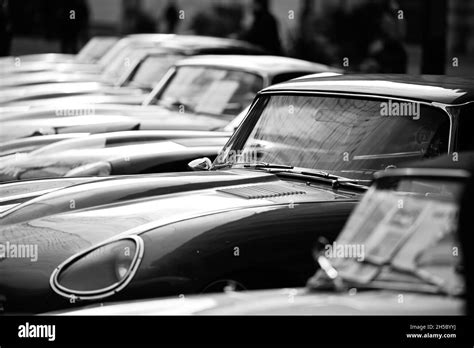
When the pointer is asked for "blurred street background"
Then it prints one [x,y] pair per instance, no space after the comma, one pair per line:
[404,36]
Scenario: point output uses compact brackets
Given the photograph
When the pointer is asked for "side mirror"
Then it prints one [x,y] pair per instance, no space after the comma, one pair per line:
[203,163]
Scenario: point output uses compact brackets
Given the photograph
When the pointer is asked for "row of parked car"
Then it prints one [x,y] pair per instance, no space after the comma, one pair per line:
[155,168]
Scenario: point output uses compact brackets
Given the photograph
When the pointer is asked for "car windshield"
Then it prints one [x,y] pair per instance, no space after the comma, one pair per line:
[95,49]
[123,62]
[402,236]
[151,70]
[116,49]
[348,137]
[210,90]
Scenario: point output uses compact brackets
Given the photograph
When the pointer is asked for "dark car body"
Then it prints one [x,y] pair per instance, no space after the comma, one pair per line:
[437,290]
[212,223]
[249,221]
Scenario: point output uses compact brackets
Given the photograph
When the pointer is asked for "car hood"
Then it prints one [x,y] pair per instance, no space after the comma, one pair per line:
[15,129]
[53,110]
[8,62]
[118,196]
[68,220]
[65,67]
[13,194]
[99,98]
[94,121]
[57,90]
[26,79]
[56,164]
[285,302]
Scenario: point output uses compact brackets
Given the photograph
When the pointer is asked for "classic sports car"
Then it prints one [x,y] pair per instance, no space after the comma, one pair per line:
[400,253]
[92,52]
[23,146]
[83,154]
[291,173]
[51,72]
[133,152]
[121,70]
[198,93]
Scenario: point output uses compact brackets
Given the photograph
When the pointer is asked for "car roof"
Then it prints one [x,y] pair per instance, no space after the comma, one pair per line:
[149,36]
[270,65]
[447,90]
[199,42]
[193,42]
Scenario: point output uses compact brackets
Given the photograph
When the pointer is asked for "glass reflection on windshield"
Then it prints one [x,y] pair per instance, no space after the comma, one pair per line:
[150,71]
[210,90]
[345,136]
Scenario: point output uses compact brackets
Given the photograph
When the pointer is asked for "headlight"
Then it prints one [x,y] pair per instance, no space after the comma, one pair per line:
[99,272]
[92,169]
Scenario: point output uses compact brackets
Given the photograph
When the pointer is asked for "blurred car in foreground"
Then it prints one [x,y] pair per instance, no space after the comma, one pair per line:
[398,254]
[292,172]
[198,93]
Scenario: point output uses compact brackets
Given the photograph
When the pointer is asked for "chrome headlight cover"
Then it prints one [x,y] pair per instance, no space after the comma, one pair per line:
[101,292]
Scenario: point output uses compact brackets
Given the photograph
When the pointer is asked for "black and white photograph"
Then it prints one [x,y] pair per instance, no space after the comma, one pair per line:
[264,172]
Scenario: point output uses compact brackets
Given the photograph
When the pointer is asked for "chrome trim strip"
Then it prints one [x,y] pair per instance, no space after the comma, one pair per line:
[26,195]
[387,155]
[270,90]
[348,94]
[424,172]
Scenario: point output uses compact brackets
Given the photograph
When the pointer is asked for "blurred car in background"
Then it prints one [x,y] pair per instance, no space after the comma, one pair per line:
[42,72]
[133,152]
[198,93]
[291,173]
[400,253]
[121,71]
[23,146]
[92,52]
[76,154]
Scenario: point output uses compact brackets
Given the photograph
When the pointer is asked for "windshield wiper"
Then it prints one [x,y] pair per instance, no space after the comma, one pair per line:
[283,169]
[334,180]
[258,165]
[338,179]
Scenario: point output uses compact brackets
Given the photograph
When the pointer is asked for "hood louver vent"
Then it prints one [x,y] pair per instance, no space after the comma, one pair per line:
[262,191]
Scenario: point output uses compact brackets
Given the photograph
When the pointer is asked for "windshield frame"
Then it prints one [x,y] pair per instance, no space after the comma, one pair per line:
[127,77]
[153,97]
[240,136]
